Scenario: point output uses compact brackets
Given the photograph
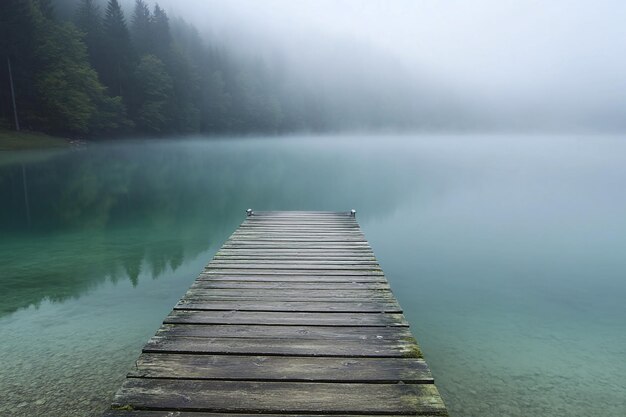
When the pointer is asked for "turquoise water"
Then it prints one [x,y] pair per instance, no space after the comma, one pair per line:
[508,254]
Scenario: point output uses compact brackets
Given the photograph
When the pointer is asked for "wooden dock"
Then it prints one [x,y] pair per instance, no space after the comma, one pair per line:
[293,316]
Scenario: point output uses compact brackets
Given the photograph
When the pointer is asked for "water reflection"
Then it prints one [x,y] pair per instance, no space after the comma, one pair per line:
[72,220]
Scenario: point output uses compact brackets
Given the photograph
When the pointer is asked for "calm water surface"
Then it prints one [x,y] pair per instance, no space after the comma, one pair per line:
[508,254]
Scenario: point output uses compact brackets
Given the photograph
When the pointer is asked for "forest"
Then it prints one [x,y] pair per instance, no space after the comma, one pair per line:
[88,69]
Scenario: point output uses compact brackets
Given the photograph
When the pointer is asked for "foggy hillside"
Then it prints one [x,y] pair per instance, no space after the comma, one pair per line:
[273,66]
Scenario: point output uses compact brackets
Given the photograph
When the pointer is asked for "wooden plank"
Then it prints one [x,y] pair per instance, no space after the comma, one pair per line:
[333,303]
[285,332]
[368,266]
[208,298]
[288,397]
[242,240]
[328,246]
[293,272]
[294,295]
[291,257]
[374,295]
[307,251]
[398,348]
[355,239]
[152,413]
[354,233]
[347,228]
[299,217]
[288,285]
[299,220]
[288,256]
[222,263]
[286,306]
[299,232]
[304,223]
[301,229]
[282,368]
[287,252]
[277,213]
[263,238]
[311,278]
[286,319]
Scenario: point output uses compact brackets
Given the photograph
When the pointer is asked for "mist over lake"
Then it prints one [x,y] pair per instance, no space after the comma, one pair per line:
[506,253]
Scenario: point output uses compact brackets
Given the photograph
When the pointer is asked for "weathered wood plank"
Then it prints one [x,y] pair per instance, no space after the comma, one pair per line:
[293,272]
[306,222]
[343,241]
[286,306]
[288,397]
[342,235]
[330,246]
[225,303]
[147,413]
[258,217]
[282,368]
[368,267]
[290,253]
[374,295]
[225,263]
[286,319]
[299,228]
[289,294]
[285,332]
[292,294]
[289,257]
[347,243]
[310,232]
[398,348]
[300,220]
[302,232]
[275,213]
[320,224]
[288,285]
[311,278]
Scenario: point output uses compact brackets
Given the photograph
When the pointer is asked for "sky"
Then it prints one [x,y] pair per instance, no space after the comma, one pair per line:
[555,63]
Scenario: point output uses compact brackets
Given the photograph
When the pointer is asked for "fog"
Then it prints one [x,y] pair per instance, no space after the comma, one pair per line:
[488,64]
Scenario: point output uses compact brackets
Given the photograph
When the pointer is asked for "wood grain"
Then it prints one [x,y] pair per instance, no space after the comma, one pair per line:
[286,397]
[282,368]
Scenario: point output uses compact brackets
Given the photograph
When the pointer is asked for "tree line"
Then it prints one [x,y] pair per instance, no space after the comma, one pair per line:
[101,74]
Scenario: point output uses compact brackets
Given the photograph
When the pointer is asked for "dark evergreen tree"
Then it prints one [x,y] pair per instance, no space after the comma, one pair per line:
[153,91]
[141,28]
[117,51]
[17,45]
[88,19]
[70,99]
[46,8]
[162,37]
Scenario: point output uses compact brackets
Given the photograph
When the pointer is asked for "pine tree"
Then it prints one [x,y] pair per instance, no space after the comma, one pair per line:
[17,45]
[154,90]
[161,33]
[88,19]
[69,95]
[46,8]
[141,28]
[116,50]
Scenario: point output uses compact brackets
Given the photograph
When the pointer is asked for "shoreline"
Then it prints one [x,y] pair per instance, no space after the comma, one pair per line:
[11,140]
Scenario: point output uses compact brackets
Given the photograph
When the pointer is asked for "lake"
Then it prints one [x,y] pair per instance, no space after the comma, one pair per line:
[507,252]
